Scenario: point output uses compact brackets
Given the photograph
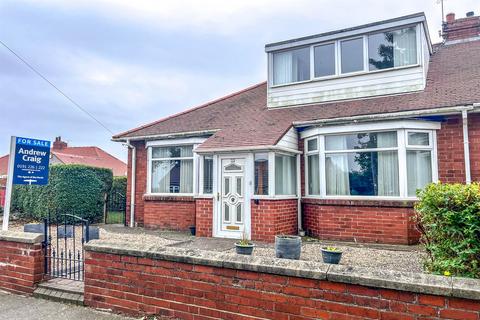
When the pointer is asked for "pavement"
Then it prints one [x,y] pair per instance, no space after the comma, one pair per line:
[27,308]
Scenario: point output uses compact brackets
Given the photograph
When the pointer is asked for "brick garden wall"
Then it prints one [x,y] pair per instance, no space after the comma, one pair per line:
[202,290]
[273,217]
[21,261]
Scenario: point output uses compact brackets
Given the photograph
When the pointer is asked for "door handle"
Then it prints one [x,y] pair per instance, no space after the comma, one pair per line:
[218,196]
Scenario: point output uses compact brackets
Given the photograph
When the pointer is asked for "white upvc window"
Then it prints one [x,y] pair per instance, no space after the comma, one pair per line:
[206,167]
[389,49]
[380,164]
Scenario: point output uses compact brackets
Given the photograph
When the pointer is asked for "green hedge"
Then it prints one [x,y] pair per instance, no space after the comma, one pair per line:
[119,185]
[74,189]
[449,219]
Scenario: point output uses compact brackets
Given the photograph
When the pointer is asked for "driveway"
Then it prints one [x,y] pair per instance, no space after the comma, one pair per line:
[27,308]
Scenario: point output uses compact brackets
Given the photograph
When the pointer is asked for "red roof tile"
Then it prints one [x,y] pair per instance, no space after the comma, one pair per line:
[244,120]
[90,156]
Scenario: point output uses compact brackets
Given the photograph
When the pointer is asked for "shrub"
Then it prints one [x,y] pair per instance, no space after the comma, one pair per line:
[449,220]
[73,189]
[119,185]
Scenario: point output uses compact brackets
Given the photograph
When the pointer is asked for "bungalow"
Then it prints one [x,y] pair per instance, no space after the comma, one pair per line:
[335,143]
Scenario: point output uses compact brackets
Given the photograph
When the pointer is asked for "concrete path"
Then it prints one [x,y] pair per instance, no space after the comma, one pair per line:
[27,308]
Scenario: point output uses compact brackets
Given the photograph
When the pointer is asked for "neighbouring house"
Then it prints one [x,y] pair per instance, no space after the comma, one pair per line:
[336,142]
[61,153]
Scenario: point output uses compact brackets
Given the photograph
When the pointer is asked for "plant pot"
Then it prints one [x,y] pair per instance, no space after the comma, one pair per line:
[34,227]
[244,249]
[332,257]
[193,230]
[288,247]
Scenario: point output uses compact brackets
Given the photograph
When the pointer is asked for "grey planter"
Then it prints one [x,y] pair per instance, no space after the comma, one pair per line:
[332,257]
[288,247]
[34,227]
[244,249]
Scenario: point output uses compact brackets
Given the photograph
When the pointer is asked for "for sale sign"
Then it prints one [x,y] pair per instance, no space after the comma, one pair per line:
[31,161]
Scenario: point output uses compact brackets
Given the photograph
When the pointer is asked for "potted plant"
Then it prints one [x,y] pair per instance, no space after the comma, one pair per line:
[331,255]
[288,247]
[244,246]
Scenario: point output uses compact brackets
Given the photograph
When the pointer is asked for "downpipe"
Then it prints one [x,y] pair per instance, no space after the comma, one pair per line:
[132,187]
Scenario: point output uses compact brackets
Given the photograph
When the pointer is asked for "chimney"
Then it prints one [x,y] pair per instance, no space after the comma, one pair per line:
[461,29]
[58,144]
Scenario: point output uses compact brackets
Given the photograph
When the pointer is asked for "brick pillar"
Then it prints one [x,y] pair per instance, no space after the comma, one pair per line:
[21,261]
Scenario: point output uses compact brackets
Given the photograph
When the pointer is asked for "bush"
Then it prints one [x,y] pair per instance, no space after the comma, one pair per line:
[119,185]
[73,189]
[449,219]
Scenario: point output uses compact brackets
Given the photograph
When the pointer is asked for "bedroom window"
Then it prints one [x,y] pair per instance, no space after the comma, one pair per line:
[291,66]
[172,170]
[383,164]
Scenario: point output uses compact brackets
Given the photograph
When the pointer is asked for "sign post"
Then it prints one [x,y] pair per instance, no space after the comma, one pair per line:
[27,165]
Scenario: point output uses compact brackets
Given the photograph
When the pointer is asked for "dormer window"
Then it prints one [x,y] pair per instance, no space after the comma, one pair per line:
[392,49]
[360,54]
[291,66]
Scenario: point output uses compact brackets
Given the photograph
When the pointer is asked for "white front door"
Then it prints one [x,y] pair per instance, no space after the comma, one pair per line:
[232,198]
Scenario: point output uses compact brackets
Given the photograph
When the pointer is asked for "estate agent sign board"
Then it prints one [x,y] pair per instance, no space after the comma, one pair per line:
[28,165]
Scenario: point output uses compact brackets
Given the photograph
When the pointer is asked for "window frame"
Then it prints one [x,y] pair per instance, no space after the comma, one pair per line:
[150,159]
[402,148]
[338,74]
[272,66]
[201,174]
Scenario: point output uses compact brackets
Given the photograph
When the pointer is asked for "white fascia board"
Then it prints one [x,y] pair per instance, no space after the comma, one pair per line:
[346,34]
[174,142]
[247,149]
[168,135]
[371,126]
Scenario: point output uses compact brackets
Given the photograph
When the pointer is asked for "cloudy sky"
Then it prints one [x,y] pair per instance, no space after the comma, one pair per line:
[132,62]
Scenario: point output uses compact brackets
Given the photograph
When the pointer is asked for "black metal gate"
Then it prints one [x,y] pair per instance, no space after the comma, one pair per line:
[116,209]
[64,237]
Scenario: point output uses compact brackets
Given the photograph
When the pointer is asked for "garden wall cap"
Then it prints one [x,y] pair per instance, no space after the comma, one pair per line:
[21,237]
[371,277]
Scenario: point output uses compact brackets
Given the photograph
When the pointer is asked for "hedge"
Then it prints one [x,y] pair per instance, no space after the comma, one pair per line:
[73,189]
[448,216]
[119,186]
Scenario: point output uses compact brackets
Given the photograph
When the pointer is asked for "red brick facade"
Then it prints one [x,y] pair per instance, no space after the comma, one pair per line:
[273,217]
[204,217]
[364,221]
[21,266]
[142,286]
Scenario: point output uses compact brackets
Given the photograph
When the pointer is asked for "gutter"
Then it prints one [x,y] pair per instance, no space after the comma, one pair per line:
[132,188]
[247,148]
[167,135]
[393,115]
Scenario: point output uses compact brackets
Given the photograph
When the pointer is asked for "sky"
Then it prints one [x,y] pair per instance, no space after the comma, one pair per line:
[133,62]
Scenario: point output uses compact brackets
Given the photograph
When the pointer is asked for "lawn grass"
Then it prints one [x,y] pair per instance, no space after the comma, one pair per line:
[115,217]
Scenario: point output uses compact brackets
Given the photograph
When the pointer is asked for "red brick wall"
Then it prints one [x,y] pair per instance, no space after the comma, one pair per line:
[173,213]
[451,164]
[142,286]
[21,266]
[204,217]
[272,217]
[363,221]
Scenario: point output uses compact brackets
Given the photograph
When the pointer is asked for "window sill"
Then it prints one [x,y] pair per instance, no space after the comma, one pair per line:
[279,197]
[396,203]
[203,196]
[168,197]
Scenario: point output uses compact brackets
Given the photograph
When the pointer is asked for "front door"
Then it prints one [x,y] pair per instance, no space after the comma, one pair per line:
[231,197]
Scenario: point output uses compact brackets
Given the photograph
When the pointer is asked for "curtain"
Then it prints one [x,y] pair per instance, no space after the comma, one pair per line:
[282,67]
[419,170]
[161,176]
[404,47]
[387,165]
[285,175]
[186,170]
[313,175]
[336,167]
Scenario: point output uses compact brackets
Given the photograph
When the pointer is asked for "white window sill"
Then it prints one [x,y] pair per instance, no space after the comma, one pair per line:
[279,197]
[360,198]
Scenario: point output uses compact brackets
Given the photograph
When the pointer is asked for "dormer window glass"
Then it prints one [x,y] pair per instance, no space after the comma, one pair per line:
[392,49]
[324,56]
[352,55]
[291,66]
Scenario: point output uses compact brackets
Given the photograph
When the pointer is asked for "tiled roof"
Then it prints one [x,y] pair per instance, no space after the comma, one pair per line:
[242,118]
[90,156]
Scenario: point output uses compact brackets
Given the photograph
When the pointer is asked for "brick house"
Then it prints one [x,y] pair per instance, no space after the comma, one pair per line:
[348,125]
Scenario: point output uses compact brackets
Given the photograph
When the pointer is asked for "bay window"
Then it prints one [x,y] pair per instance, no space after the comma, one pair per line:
[171,169]
[261,173]
[384,164]
[285,175]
